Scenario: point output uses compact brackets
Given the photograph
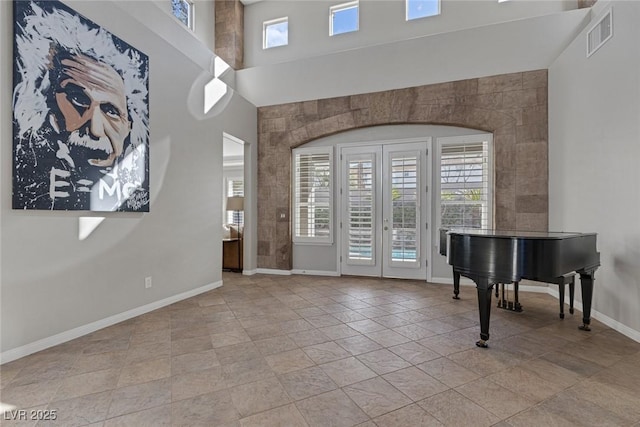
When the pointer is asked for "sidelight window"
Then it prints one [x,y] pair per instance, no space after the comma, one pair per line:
[312,195]
[465,182]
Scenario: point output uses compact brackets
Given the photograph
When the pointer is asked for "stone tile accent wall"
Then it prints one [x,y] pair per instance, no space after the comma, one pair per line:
[229,32]
[511,106]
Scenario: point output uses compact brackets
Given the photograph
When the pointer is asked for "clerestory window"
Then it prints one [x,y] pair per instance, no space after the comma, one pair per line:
[417,9]
[344,18]
[184,11]
[275,33]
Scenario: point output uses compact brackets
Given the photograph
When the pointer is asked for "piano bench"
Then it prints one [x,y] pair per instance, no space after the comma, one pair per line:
[567,279]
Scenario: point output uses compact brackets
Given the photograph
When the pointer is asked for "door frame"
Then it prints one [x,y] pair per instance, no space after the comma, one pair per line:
[427,178]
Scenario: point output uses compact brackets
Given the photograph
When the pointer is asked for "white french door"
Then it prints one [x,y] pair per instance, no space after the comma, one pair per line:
[384,207]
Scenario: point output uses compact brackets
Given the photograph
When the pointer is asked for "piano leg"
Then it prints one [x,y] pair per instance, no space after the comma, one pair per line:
[561,295]
[484,306]
[516,304]
[586,282]
[572,292]
[456,285]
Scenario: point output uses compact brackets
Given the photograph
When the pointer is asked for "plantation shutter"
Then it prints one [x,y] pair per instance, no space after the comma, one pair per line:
[464,185]
[361,203]
[235,187]
[312,195]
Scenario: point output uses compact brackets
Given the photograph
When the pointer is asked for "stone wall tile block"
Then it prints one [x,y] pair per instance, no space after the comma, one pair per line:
[273,125]
[532,221]
[531,204]
[345,121]
[505,156]
[315,129]
[264,248]
[501,83]
[465,87]
[333,106]
[299,136]
[359,101]
[361,118]
[296,122]
[505,181]
[535,114]
[531,132]
[274,141]
[310,109]
[542,96]
[282,110]
[401,105]
[491,101]
[505,219]
[419,113]
[534,79]
[430,93]
[532,160]
[520,98]
[537,185]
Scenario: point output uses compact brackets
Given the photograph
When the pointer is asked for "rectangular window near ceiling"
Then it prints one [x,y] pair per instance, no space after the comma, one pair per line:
[465,183]
[417,9]
[275,33]
[343,18]
[184,11]
[312,195]
[235,188]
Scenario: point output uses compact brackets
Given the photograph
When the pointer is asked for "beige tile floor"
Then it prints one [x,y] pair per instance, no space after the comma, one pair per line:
[317,351]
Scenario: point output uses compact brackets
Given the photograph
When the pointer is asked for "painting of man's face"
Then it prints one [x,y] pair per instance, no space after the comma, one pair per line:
[80,116]
[91,99]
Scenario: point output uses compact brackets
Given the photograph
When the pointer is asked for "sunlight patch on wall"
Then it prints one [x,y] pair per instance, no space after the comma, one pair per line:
[220,67]
[87,225]
[214,91]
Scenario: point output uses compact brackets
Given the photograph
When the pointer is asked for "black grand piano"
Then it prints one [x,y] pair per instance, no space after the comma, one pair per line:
[490,257]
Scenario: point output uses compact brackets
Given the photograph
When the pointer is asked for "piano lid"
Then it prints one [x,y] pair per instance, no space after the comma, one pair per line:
[515,234]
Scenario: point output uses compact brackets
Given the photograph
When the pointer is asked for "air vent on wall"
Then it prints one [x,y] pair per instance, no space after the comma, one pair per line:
[600,33]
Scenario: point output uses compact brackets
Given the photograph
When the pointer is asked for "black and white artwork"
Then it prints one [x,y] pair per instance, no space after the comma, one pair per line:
[80,114]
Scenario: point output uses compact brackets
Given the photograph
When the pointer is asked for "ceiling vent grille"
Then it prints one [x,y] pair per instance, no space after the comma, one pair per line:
[600,33]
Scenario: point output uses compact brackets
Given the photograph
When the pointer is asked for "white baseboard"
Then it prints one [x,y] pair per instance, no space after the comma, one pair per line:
[249,272]
[615,325]
[42,344]
[315,272]
[273,271]
[449,281]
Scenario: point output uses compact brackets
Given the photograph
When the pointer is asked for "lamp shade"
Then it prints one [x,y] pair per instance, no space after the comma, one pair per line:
[235,203]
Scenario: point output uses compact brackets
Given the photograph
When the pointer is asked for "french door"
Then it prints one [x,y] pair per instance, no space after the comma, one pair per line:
[384,207]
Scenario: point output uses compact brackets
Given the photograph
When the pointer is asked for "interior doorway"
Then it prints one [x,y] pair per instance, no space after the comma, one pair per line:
[233,205]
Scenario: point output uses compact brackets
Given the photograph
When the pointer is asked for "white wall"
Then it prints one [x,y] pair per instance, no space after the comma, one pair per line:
[381,22]
[52,282]
[594,154]
[514,46]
